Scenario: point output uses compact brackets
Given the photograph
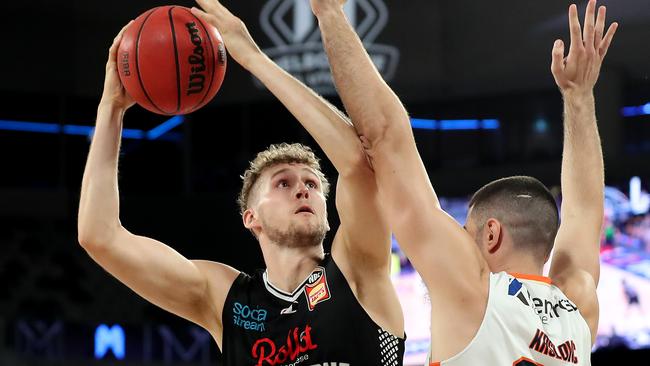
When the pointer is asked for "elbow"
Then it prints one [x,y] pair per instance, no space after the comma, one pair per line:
[387,133]
[92,238]
[358,164]
[86,240]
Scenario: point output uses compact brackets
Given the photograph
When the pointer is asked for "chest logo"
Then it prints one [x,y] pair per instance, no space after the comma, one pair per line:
[317,289]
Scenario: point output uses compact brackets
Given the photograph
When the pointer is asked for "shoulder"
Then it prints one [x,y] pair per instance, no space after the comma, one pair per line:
[217,272]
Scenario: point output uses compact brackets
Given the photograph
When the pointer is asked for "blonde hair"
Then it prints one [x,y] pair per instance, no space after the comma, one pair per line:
[278,154]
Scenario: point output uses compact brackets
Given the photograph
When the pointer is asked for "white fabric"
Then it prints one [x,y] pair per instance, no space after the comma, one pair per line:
[527,320]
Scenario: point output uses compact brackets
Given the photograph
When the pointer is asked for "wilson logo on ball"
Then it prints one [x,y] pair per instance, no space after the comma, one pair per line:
[197,77]
[171,62]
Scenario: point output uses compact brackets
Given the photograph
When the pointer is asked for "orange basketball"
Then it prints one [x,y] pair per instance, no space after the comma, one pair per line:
[170,61]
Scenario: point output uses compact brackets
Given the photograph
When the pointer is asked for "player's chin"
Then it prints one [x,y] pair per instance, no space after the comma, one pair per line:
[309,226]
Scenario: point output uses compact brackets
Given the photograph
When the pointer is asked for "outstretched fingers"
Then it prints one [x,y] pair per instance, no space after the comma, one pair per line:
[600,26]
[575,29]
[589,29]
[607,40]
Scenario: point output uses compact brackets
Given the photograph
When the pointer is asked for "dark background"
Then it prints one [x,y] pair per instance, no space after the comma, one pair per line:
[458,59]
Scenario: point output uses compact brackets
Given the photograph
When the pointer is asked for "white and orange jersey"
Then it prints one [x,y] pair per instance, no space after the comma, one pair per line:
[528,322]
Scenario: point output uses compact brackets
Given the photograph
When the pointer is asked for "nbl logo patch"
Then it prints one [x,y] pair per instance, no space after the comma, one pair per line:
[317,289]
[298,47]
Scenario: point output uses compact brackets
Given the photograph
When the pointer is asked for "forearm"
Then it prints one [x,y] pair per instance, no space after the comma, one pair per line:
[582,160]
[371,104]
[325,123]
[99,203]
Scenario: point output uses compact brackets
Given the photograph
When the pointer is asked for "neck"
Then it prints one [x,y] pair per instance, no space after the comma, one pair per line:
[520,263]
[286,266]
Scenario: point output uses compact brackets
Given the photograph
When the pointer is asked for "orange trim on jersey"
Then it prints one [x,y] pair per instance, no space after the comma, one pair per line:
[526,359]
[434,364]
[531,277]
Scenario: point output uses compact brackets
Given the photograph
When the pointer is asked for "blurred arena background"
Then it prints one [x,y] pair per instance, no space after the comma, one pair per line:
[475,77]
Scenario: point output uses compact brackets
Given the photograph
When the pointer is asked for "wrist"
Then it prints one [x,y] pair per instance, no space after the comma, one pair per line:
[578,100]
[109,105]
[578,103]
[578,96]
[111,108]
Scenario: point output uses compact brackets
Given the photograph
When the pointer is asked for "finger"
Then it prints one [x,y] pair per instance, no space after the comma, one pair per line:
[112,51]
[209,18]
[588,31]
[213,7]
[574,27]
[607,40]
[600,25]
[557,61]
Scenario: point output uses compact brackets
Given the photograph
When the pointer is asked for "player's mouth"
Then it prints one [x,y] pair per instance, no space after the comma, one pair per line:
[304,209]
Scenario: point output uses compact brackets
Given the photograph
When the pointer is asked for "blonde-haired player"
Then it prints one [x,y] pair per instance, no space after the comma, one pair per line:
[298,310]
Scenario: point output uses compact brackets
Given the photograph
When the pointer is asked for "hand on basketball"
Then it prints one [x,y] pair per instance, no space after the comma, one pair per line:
[114,92]
[318,7]
[578,72]
[237,39]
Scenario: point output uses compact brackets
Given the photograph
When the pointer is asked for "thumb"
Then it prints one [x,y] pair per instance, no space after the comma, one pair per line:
[557,61]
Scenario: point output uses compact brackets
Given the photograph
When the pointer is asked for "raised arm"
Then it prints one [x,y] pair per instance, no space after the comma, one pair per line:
[361,247]
[194,290]
[436,245]
[363,230]
[576,264]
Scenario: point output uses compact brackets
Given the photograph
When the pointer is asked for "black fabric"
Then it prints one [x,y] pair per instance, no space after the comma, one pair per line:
[323,325]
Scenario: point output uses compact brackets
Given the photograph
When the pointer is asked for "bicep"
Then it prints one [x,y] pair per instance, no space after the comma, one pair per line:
[577,246]
[160,275]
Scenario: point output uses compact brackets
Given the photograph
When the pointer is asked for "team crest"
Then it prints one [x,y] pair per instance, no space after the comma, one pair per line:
[316,288]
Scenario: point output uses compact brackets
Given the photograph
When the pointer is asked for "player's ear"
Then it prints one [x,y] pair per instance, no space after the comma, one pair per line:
[492,235]
[250,219]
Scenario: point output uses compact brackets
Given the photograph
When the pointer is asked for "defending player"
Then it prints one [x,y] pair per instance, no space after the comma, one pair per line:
[490,304]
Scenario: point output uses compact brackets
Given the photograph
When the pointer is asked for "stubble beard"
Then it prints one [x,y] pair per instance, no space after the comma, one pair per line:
[297,236]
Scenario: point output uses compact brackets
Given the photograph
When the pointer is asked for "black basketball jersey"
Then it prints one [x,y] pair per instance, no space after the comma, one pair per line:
[321,323]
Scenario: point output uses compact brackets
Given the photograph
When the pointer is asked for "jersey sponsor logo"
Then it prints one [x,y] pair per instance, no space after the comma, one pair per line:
[298,343]
[316,288]
[547,309]
[249,318]
[543,344]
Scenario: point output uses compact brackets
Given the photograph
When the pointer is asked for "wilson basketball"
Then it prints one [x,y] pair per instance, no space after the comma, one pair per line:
[170,61]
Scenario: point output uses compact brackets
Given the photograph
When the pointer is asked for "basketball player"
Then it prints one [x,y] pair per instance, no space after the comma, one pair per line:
[306,308]
[490,304]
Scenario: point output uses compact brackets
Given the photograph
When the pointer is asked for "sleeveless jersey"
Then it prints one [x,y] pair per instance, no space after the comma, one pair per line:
[528,322]
[320,323]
